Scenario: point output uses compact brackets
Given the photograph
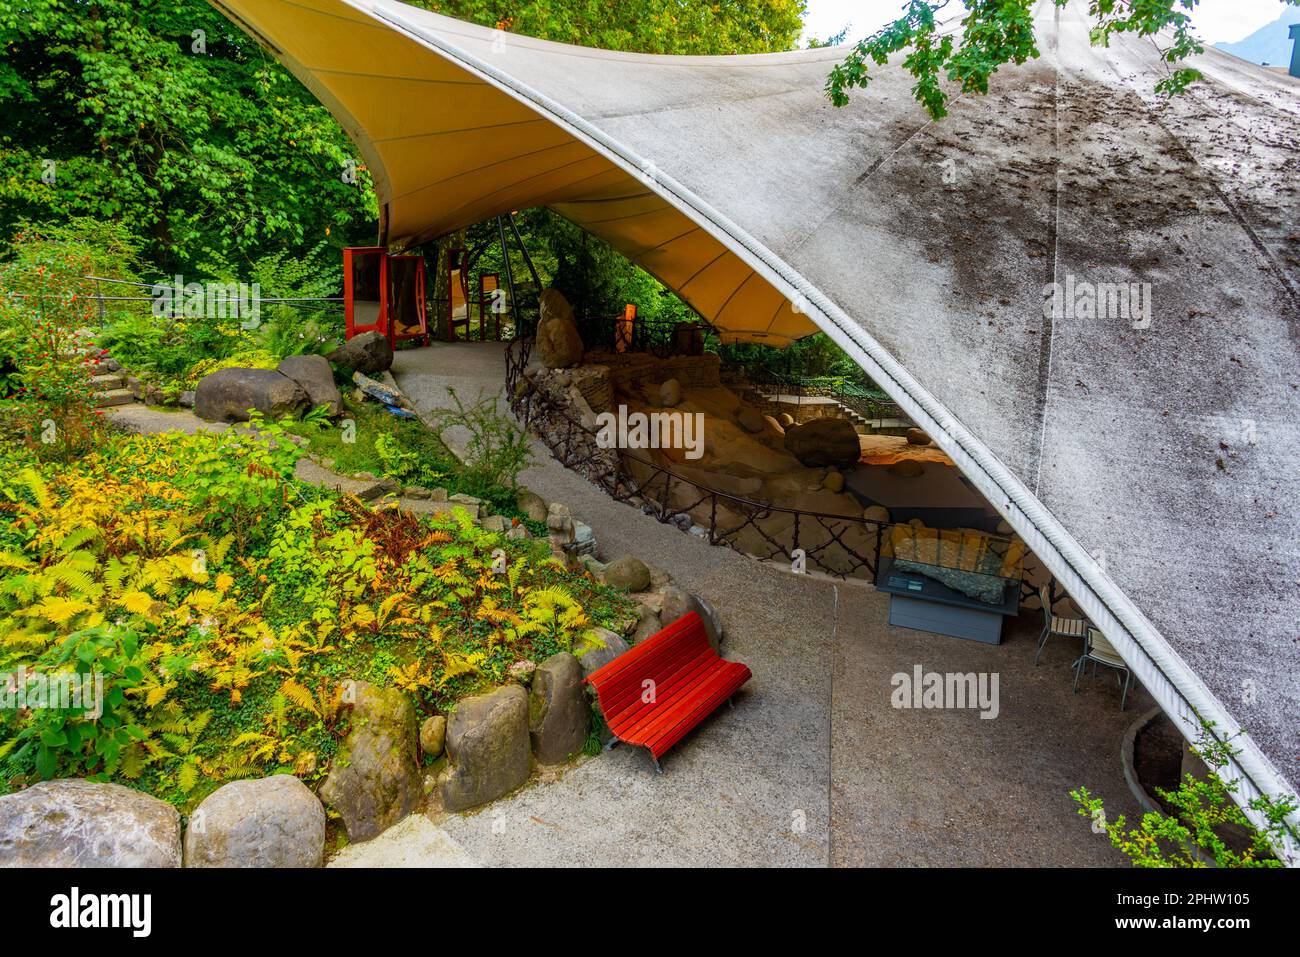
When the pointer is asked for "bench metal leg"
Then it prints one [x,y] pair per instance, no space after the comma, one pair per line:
[731,704]
[658,770]
[609,745]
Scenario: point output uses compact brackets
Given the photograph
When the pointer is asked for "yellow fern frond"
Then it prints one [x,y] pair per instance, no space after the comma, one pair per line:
[15,560]
[57,610]
[30,478]
[136,602]
[299,695]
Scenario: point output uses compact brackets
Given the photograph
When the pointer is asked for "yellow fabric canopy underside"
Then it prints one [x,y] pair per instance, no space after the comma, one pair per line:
[448,149]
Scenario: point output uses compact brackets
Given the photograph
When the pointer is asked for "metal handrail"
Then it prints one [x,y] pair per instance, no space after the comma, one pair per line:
[863,403]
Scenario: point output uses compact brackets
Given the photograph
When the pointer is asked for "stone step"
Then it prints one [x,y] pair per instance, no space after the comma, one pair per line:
[114,397]
[106,382]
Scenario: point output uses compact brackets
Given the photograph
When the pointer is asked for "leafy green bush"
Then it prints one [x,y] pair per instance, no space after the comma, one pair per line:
[497,450]
[180,347]
[814,357]
[45,351]
[224,651]
[284,329]
[353,444]
[1205,811]
[78,740]
[403,464]
[237,478]
[250,358]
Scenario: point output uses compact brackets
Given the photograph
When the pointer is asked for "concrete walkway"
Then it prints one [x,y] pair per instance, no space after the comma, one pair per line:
[813,766]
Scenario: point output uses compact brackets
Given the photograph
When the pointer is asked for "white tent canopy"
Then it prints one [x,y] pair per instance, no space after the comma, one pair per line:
[1148,456]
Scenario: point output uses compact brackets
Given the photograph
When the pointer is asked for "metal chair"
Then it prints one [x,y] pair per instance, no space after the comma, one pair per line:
[1056,624]
[1101,652]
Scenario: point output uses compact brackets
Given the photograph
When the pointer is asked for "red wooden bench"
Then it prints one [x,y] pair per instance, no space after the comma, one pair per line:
[655,693]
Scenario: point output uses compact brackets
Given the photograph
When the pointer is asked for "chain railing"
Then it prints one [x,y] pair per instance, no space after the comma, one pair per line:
[844,546]
[823,542]
[658,337]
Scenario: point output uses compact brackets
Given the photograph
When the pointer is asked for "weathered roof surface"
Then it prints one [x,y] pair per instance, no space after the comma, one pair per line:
[1153,468]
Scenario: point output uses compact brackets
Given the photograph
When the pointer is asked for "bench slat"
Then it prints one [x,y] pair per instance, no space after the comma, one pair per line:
[635,719]
[645,655]
[665,688]
[675,725]
[621,689]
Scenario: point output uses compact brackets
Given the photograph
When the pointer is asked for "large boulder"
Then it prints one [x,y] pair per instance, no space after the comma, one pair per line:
[670,393]
[559,345]
[433,736]
[488,746]
[823,442]
[750,419]
[532,505]
[227,395]
[76,823]
[678,602]
[268,822]
[316,377]
[375,778]
[369,353]
[559,717]
[627,572]
[611,646]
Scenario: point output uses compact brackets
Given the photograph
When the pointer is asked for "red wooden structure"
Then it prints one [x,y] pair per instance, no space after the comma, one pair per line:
[384,293]
[625,330]
[408,318]
[661,689]
[365,289]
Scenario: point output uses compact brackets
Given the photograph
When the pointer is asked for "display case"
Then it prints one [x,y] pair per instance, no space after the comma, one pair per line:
[959,582]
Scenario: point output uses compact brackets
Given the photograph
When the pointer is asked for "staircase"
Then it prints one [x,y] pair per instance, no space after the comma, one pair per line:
[110,390]
[873,426]
[863,424]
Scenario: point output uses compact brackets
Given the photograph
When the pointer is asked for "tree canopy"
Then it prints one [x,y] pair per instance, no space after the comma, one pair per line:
[643,26]
[997,32]
[165,117]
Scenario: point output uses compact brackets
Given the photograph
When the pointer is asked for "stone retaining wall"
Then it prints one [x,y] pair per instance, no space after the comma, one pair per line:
[637,369]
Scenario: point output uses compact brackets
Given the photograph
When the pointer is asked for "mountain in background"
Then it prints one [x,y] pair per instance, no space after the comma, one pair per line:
[1270,44]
